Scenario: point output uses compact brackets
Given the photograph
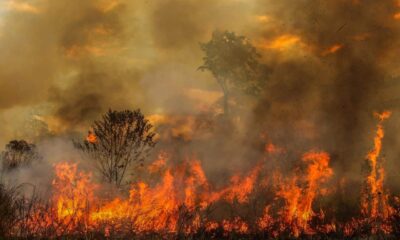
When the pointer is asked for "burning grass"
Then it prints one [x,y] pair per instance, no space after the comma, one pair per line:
[183,203]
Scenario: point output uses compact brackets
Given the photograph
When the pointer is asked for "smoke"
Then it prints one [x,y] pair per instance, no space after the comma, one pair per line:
[36,178]
[81,59]
[333,64]
[338,78]
[336,70]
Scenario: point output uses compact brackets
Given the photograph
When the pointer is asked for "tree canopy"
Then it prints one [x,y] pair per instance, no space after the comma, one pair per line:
[234,63]
[18,153]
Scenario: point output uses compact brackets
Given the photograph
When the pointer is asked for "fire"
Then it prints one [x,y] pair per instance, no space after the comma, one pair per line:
[159,208]
[91,137]
[272,148]
[68,210]
[183,190]
[240,188]
[236,225]
[375,199]
[73,193]
[298,200]
[157,165]
[179,200]
[283,42]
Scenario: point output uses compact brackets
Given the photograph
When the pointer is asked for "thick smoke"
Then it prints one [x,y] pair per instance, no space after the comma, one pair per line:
[333,64]
[324,95]
[81,59]
[336,92]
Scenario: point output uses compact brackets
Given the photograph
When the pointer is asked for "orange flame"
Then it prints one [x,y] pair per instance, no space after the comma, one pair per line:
[272,148]
[298,201]
[283,42]
[177,200]
[91,137]
[374,200]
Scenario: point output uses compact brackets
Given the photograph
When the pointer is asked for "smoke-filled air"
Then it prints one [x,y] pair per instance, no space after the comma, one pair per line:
[199,119]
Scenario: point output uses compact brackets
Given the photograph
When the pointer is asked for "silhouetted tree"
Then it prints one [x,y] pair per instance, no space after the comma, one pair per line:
[233,61]
[9,204]
[18,153]
[117,140]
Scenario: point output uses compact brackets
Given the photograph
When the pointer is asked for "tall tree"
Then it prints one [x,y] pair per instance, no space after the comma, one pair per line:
[18,153]
[234,62]
[118,140]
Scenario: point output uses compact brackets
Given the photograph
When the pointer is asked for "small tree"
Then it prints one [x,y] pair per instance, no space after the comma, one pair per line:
[9,205]
[233,61]
[119,139]
[18,153]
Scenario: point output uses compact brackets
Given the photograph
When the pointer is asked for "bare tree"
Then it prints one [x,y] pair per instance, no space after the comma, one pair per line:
[18,153]
[119,139]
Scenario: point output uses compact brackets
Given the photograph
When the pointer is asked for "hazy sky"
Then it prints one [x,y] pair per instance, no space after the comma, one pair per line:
[65,62]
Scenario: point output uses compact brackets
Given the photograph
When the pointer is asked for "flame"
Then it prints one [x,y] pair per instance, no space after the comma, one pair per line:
[374,199]
[157,165]
[148,208]
[157,208]
[178,200]
[237,225]
[240,188]
[283,42]
[73,192]
[91,137]
[272,148]
[70,204]
[298,201]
